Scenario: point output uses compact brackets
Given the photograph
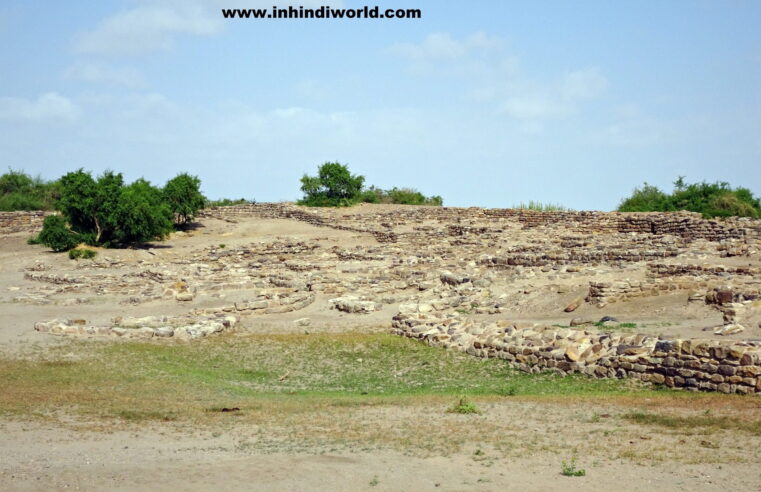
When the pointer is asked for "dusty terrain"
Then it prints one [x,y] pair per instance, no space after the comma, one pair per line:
[334,272]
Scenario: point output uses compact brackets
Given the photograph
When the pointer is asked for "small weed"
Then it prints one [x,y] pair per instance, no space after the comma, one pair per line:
[85,254]
[222,245]
[570,470]
[374,481]
[464,406]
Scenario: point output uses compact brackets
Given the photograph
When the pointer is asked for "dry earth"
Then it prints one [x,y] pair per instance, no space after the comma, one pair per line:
[282,275]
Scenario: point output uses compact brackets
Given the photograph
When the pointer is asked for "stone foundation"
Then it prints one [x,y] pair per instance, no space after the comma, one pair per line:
[693,365]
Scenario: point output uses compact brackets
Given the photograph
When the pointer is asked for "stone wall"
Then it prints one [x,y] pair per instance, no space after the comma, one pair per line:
[289,211]
[688,225]
[22,221]
[697,364]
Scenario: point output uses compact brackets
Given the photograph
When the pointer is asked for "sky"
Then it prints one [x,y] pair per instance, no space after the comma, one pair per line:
[486,103]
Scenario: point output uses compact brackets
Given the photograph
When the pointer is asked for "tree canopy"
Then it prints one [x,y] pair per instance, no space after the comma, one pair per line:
[183,195]
[107,212]
[335,186]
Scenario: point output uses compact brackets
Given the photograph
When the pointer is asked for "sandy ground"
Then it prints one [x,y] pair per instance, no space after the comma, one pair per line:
[38,457]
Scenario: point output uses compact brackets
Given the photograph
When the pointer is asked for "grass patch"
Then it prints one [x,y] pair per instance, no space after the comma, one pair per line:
[541,207]
[702,422]
[318,392]
[238,371]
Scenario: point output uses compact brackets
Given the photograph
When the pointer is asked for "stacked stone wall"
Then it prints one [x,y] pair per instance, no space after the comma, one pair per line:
[694,365]
[22,221]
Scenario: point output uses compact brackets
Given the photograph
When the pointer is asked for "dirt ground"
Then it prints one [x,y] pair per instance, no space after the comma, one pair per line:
[535,437]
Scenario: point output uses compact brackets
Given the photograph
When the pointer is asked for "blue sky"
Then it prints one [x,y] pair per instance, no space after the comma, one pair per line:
[487,103]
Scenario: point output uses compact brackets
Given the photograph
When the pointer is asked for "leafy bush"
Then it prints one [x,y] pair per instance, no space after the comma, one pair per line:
[401,196]
[226,202]
[56,235]
[183,195]
[334,186]
[19,191]
[86,254]
[710,199]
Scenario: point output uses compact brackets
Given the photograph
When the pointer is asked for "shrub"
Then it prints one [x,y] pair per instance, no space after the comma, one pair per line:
[183,195]
[464,406]
[710,199]
[19,191]
[401,196]
[226,202]
[56,235]
[86,254]
[570,470]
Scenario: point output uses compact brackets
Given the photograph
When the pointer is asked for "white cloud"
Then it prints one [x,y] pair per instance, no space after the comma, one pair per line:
[148,28]
[527,101]
[153,25]
[534,107]
[632,127]
[50,106]
[88,72]
[442,45]
[490,76]
[583,84]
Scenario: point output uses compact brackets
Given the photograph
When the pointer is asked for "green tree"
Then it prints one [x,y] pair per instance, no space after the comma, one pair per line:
[333,186]
[183,195]
[646,199]
[141,214]
[108,213]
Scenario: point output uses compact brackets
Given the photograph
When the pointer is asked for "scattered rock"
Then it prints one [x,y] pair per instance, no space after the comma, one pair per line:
[574,305]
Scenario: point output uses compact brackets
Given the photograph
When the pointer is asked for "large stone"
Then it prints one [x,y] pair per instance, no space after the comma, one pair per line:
[574,305]
[351,304]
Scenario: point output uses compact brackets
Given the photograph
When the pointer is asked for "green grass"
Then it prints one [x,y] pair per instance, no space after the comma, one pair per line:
[703,422]
[322,392]
[542,207]
[242,370]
